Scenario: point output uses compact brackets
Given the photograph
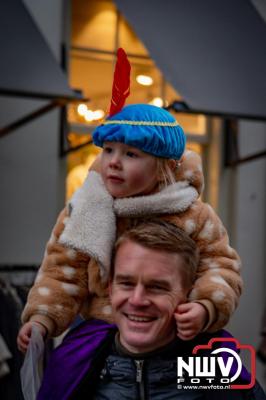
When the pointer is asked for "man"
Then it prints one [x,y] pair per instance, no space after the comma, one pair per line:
[153,271]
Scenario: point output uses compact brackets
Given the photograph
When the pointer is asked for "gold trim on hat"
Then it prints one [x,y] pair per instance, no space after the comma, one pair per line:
[146,123]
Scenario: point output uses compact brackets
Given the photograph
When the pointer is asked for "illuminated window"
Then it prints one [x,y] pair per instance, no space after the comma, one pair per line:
[97,30]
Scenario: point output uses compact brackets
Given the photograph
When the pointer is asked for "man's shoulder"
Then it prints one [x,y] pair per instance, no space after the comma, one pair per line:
[82,353]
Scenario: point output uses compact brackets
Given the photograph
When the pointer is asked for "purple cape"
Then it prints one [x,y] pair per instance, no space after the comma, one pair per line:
[70,361]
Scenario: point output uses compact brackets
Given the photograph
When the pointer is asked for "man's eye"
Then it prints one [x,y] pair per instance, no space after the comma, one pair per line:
[157,288]
[131,154]
[125,283]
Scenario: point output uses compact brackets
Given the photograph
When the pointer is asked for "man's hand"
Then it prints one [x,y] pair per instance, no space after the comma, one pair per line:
[190,320]
[24,334]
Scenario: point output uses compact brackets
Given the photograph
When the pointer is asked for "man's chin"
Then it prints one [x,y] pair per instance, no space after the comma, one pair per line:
[143,336]
[137,343]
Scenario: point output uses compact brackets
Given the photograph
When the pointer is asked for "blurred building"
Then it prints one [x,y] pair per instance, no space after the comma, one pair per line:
[205,62]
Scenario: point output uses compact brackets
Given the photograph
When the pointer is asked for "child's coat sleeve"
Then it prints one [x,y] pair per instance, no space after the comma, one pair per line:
[218,276]
[61,285]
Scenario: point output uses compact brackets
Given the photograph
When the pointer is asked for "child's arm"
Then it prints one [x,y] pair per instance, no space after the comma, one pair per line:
[218,285]
[60,286]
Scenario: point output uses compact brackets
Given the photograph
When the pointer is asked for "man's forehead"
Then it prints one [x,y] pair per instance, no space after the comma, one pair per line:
[133,251]
[131,262]
[130,252]
[147,266]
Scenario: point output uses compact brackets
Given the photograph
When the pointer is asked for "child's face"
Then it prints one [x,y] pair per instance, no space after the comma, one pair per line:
[127,171]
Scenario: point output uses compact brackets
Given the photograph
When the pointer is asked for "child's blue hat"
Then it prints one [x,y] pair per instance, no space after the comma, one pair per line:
[149,128]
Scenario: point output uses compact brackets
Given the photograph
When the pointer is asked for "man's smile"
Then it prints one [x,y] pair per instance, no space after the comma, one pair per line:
[139,318]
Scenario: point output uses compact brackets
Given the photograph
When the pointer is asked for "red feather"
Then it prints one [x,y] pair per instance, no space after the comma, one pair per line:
[121,83]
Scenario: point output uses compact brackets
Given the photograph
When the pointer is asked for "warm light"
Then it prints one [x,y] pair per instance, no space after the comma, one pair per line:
[89,115]
[144,80]
[82,109]
[157,101]
[98,114]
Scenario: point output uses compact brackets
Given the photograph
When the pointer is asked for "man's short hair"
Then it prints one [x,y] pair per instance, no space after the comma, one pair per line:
[161,235]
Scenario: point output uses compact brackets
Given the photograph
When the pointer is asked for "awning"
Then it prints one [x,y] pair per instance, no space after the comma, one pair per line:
[27,67]
[212,52]
[27,64]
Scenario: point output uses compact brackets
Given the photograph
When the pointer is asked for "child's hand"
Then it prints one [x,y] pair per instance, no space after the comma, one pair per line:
[24,335]
[190,320]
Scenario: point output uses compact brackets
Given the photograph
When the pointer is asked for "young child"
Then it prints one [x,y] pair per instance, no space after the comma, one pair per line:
[140,173]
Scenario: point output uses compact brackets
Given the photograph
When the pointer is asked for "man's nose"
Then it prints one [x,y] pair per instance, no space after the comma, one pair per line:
[138,297]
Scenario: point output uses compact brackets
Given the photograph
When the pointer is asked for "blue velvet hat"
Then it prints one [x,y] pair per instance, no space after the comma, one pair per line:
[146,127]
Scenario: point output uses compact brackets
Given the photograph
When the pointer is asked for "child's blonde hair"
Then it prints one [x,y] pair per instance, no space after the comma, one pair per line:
[165,172]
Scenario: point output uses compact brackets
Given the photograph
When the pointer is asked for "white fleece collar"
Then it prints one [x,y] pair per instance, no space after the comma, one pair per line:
[173,199]
[91,227]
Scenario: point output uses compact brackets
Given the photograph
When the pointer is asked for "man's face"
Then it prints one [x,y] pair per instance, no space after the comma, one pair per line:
[127,171]
[145,291]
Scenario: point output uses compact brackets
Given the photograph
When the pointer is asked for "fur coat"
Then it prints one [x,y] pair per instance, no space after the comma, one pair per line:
[74,273]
